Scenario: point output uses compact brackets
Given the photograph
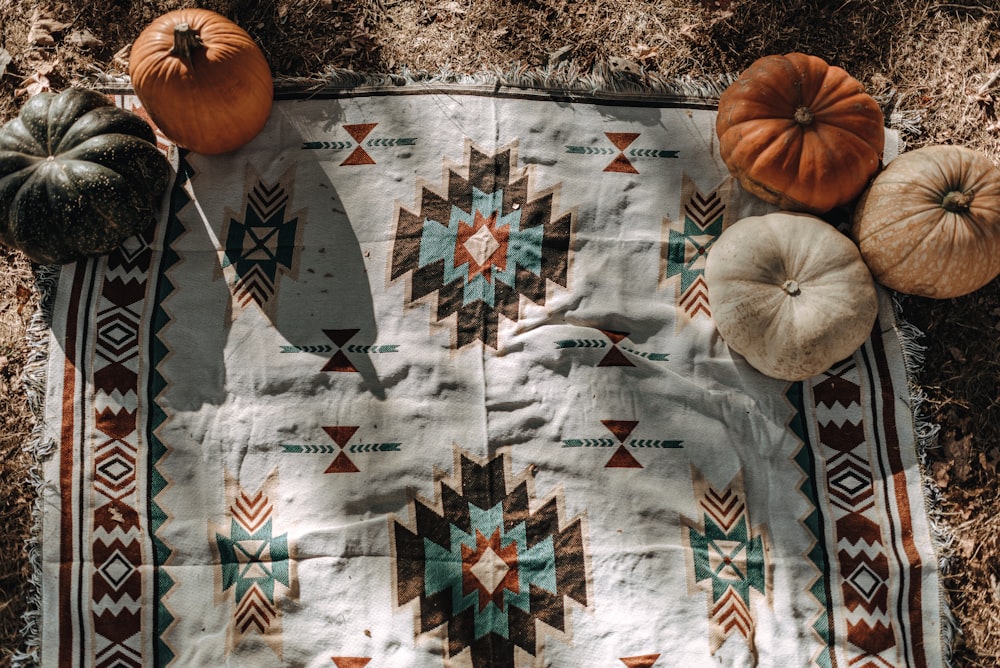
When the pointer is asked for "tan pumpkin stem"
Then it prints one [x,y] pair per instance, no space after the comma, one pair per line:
[957,201]
[803,116]
[187,41]
[791,287]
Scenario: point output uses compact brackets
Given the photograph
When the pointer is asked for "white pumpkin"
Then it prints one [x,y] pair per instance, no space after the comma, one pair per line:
[790,293]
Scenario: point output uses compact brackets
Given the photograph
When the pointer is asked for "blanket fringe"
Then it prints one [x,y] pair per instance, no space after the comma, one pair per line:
[40,447]
[566,78]
[926,433]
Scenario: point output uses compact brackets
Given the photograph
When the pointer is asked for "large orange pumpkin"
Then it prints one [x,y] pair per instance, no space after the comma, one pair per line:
[800,133]
[202,80]
[929,225]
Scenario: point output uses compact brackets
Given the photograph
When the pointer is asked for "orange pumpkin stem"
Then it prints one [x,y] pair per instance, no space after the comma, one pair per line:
[957,201]
[186,42]
[803,116]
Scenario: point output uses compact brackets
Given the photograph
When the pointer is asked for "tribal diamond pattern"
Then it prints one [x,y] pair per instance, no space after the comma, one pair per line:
[482,563]
[687,244]
[483,243]
[255,563]
[264,244]
[729,559]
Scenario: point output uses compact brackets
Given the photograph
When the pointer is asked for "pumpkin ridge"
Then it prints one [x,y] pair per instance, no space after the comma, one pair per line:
[105,150]
[874,230]
[105,121]
[857,127]
[30,233]
[98,205]
[65,109]
[929,239]
[806,76]
[24,140]
[849,147]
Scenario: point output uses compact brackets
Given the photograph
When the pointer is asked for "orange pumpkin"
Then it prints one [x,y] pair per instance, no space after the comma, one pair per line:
[202,80]
[929,224]
[800,133]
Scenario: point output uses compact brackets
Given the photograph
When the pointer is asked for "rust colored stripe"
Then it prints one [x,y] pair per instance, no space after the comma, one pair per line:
[902,504]
[66,450]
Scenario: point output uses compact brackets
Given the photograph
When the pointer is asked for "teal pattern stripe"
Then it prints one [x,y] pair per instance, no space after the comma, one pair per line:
[813,522]
[162,617]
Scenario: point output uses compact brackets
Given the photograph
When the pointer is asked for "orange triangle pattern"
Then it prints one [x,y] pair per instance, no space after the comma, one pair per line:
[621,140]
[615,357]
[623,459]
[359,156]
[614,336]
[644,661]
[621,165]
[339,362]
[350,661]
[340,435]
[361,130]
[620,428]
[342,464]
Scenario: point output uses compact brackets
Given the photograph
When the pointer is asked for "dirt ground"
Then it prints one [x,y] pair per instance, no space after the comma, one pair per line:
[934,65]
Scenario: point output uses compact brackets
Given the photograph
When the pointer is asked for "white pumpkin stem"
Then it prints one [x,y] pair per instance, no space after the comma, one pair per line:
[187,41]
[791,287]
[803,116]
[957,201]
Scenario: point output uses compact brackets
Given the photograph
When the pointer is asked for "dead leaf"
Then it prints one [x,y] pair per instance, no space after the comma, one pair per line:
[23,295]
[120,59]
[33,85]
[84,39]
[560,54]
[940,472]
[688,31]
[958,451]
[116,515]
[966,546]
[453,7]
[716,4]
[990,459]
[625,66]
[643,52]
[44,28]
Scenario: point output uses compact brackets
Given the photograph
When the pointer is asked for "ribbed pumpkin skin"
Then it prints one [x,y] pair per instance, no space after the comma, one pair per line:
[77,176]
[912,242]
[790,293]
[811,166]
[215,103]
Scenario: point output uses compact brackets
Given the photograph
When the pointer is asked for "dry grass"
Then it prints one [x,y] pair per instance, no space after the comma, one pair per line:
[935,61]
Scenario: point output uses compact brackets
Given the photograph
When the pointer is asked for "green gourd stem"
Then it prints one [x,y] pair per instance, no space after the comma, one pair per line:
[187,41]
[957,201]
[803,116]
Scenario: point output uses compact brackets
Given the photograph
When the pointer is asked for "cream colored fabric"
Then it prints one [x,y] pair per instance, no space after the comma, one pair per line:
[426,377]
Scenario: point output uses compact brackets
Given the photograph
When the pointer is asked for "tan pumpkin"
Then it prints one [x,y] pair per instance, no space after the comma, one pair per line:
[202,80]
[929,225]
[789,293]
[800,133]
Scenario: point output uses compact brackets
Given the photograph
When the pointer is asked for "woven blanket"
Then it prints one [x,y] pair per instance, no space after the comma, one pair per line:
[427,376]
